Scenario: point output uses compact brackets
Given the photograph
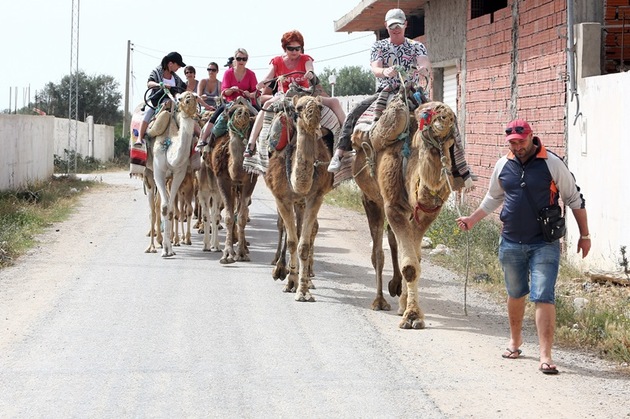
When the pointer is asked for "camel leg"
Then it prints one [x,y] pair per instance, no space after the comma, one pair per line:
[215,217]
[395,284]
[228,196]
[413,317]
[305,247]
[280,258]
[376,219]
[166,213]
[242,252]
[286,212]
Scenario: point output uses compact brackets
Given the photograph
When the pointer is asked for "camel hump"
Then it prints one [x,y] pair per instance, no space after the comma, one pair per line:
[392,126]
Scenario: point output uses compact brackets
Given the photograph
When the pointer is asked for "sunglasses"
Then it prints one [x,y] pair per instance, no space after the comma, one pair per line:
[290,48]
[241,58]
[395,26]
[518,130]
[212,69]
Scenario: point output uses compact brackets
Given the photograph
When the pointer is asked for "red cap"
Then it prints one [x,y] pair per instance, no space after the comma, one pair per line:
[517,130]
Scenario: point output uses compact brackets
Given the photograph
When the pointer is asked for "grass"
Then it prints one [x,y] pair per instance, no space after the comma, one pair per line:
[600,323]
[27,212]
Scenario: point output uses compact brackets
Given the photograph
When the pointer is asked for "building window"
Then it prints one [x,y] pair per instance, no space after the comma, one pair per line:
[480,8]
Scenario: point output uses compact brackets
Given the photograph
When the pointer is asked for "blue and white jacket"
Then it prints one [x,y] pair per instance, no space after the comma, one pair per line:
[544,175]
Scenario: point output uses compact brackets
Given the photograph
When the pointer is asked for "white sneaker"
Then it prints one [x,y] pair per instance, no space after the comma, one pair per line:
[335,164]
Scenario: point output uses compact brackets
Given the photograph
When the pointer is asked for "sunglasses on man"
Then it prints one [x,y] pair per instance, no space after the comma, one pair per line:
[212,69]
[518,130]
[395,26]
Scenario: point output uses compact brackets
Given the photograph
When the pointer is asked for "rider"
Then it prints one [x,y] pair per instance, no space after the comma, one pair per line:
[241,81]
[385,56]
[162,76]
[292,61]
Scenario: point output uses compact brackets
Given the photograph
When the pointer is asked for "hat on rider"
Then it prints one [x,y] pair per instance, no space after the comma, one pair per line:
[395,16]
[518,129]
[176,58]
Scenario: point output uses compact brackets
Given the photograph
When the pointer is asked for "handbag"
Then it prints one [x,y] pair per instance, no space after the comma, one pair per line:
[550,219]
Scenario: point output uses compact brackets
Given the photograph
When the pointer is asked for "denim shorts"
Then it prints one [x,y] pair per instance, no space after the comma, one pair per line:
[538,262]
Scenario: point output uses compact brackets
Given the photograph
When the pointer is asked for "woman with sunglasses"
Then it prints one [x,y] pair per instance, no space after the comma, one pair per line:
[191,82]
[242,82]
[210,89]
[297,67]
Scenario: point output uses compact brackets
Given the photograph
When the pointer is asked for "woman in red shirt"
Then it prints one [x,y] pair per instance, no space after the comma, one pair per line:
[292,61]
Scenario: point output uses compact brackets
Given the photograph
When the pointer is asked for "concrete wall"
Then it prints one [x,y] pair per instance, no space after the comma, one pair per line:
[27,149]
[29,144]
[597,150]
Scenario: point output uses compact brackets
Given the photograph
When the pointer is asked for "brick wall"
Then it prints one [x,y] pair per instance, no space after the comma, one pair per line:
[499,87]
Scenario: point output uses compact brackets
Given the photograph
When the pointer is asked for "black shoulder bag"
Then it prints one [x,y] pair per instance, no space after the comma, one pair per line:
[550,220]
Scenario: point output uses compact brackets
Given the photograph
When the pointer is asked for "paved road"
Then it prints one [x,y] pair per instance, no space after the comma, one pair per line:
[90,326]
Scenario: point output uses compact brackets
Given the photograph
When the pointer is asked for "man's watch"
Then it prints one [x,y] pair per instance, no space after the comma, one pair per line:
[587,237]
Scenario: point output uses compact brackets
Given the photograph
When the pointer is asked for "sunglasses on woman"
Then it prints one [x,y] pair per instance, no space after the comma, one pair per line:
[241,58]
[290,48]
[518,130]
[212,69]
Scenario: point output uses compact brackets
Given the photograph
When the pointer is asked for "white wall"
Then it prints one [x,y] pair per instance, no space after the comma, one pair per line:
[29,143]
[598,153]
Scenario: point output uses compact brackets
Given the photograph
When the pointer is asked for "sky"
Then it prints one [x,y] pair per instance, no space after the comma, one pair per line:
[36,39]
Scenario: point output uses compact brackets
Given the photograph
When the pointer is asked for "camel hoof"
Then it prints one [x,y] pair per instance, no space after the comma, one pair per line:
[188,242]
[279,273]
[418,324]
[244,258]
[288,288]
[395,287]
[167,255]
[227,260]
[381,304]
[304,297]
[215,249]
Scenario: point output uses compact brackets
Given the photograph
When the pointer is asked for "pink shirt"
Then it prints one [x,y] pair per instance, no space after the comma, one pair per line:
[280,69]
[248,82]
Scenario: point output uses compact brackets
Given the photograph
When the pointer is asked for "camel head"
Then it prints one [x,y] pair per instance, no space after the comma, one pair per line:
[187,103]
[438,118]
[309,112]
[239,117]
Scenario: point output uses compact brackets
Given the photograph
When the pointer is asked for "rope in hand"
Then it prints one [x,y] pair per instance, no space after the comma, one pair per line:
[459,213]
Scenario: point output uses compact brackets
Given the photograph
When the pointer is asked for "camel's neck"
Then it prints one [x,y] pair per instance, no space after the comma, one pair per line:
[304,158]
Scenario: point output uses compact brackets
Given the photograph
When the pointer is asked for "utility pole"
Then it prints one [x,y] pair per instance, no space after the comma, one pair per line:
[126,121]
[73,96]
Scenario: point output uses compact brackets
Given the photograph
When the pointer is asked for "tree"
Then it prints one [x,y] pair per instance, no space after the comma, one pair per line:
[352,80]
[97,95]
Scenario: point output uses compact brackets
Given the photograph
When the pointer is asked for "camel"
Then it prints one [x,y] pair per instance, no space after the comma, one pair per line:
[172,145]
[408,191]
[209,200]
[297,177]
[235,184]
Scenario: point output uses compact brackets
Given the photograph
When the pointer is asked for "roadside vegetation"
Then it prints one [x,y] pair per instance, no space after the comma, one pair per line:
[590,316]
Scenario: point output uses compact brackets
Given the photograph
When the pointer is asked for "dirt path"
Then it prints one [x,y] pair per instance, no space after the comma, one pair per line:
[91,326]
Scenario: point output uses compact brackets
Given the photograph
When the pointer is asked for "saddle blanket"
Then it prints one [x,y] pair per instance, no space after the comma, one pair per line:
[259,162]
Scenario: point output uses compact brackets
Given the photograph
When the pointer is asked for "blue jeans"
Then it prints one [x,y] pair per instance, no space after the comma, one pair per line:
[538,262]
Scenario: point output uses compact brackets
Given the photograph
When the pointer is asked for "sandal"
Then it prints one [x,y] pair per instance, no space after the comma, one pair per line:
[249,152]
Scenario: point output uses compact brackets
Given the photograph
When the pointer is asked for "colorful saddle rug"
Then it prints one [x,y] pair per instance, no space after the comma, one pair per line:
[273,137]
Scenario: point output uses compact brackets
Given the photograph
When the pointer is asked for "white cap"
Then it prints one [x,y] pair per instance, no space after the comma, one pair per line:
[395,16]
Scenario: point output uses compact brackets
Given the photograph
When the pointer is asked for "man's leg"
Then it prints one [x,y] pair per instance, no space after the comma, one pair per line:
[546,326]
[516,312]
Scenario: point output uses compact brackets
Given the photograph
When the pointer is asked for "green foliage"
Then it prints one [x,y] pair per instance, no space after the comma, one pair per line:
[352,80]
[98,96]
